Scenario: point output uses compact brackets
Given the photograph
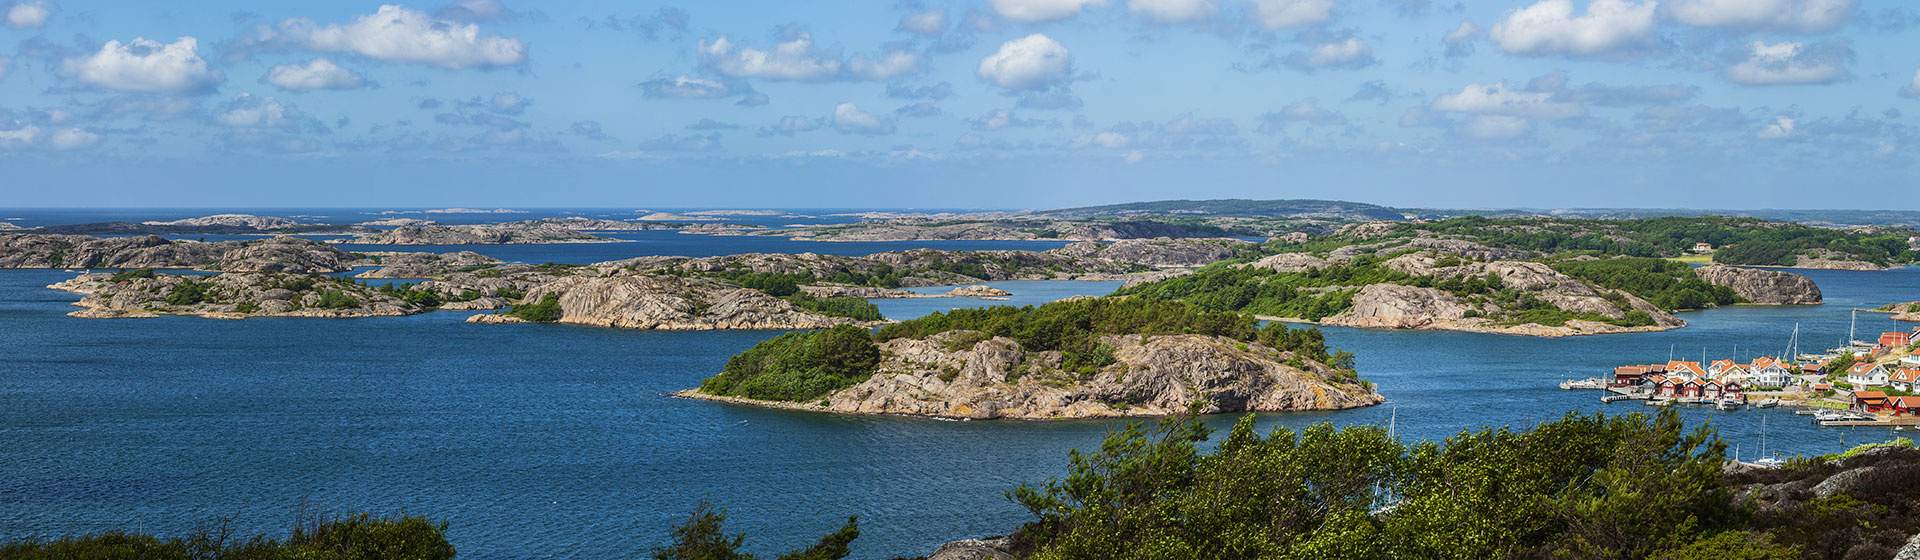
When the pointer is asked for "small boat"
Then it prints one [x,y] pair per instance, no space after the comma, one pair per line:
[1659,402]
[1769,402]
[1588,383]
[1828,416]
[1610,399]
[1771,462]
[1729,404]
[1806,411]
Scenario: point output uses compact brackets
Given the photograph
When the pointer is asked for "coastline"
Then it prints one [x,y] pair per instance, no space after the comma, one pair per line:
[695,394]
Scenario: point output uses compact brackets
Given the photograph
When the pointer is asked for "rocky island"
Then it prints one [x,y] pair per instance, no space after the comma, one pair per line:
[1763,287]
[1097,357]
[499,234]
[143,293]
[275,254]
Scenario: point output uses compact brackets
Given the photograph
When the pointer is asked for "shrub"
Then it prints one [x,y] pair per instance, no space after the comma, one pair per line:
[189,292]
[547,310]
[336,299]
[798,366]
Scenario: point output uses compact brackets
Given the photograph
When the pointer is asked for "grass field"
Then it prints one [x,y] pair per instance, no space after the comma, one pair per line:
[1693,259]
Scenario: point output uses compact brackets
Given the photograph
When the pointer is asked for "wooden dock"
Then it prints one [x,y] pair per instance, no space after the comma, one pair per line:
[1878,422]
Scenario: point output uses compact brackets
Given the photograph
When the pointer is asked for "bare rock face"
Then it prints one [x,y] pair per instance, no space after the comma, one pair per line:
[278,254]
[1291,262]
[233,220]
[674,303]
[1154,376]
[993,548]
[1393,306]
[285,254]
[400,222]
[400,264]
[1823,259]
[978,290]
[1765,287]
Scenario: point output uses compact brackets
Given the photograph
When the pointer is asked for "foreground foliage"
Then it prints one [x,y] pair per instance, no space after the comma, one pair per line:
[352,538]
[703,537]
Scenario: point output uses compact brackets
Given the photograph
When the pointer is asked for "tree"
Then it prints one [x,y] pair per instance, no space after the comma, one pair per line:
[703,537]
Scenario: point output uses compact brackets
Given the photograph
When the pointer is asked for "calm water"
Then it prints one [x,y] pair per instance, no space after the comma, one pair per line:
[559,441]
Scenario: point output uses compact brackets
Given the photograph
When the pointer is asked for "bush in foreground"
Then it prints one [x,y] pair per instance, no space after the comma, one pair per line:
[361,537]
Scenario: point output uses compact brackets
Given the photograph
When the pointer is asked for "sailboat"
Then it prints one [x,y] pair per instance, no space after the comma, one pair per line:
[1766,460]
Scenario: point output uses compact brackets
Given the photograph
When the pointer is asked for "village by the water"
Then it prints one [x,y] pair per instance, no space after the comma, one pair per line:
[1863,383]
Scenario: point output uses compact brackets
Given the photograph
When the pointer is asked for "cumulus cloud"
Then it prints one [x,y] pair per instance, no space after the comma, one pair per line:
[249,111]
[1496,127]
[1002,118]
[1550,27]
[685,87]
[1789,63]
[1033,62]
[1799,16]
[29,14]
[849,119]
[1350,53]
[1173,11]
[20,137]
[1913,88]
[1782,127]
[1459,42]
[920,110]
[1287,14]
[589,130]
[143,65]
[1041,10]
[318,73]
[1496,99]
[1306,111]
[395,34]
[789,125]
[710,124]
[925,23]
[895,63]
[794,59]
[73,139]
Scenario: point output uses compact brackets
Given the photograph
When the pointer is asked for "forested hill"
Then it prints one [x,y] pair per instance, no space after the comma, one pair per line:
[1238,207]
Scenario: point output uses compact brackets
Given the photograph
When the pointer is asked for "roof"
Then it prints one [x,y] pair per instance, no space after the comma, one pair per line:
[1721,363]
[1863,367]
[1906,375]
[1690,367]
[1905,402]
[1869,395]
[1765,361]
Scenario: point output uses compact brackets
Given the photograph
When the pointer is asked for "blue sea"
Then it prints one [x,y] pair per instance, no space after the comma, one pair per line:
[555,441]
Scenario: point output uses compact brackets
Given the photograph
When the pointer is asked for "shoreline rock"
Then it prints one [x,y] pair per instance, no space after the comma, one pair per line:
[1153,375]
[1763,287]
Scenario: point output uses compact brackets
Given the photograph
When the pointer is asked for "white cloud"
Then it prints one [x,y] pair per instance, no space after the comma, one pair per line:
[248,111]
[19,138]
[396,34]
[1549,26]
[794,59]
[73,139]
[892,65]
[789,125]
[1351,53]
[1496,99]
[1801,16]
[1306,111]
[1790,63]
[318,73]
[1497,126]
[509,103]
[925,23]
[1285,14]
[1459,42]
[851,120]
[1913,88]
[1041,10]
[143,65]
[29,14]
[1003,118]
[685,87]
[1032,62]
[1782,127]
[1173,11]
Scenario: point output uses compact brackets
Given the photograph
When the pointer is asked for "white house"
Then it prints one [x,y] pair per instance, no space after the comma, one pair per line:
[1904,379]
[1768,372]
[1867,375]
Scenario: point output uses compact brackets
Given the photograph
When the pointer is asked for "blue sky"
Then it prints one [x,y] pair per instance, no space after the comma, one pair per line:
[964,104]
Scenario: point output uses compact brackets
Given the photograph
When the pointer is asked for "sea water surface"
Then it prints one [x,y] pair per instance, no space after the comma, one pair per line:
[556,441]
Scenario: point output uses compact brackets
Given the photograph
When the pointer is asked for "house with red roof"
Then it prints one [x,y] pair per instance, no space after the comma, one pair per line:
[1904,406]
[1686,368]
[1904,379]
[1870,401]
[1768,372]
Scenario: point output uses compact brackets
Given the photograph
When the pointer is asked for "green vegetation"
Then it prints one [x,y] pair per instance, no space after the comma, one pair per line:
[423,298]
[850,307]
[1747,241]
[782,284]
[129,275]
[1839,364]
[57,258]
[191,291]
[1671,285]
[798,366]
[336,299]
[703,538]
[361,537]
[547,310]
